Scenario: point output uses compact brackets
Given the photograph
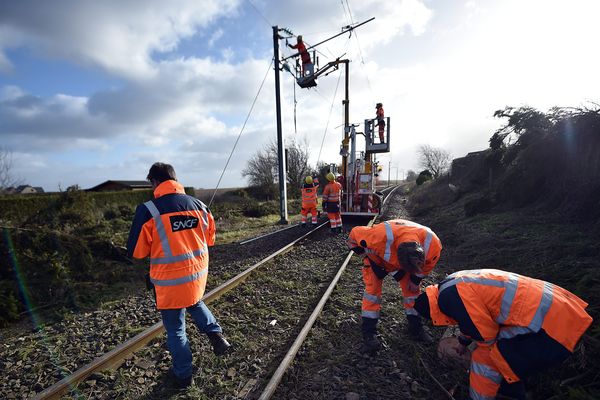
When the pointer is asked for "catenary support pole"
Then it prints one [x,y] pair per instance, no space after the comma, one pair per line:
[280,144]
[345,143]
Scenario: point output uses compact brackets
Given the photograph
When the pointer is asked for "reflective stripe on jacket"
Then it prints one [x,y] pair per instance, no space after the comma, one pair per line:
[332,192]
[309,196]
[491,305]
[174,230]
[382,241]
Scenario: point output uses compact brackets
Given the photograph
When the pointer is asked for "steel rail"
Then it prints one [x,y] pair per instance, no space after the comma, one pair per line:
[269,234]
[116,356]
[387,196]
[291,354]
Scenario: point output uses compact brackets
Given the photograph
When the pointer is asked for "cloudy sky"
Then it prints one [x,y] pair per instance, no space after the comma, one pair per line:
[98,90]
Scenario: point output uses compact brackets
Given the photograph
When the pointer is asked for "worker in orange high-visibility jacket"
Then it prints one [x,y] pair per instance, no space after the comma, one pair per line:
[405,250]
[307,65]
[521,325]
[309,201]
[331,201]
[380,115]
[175,230]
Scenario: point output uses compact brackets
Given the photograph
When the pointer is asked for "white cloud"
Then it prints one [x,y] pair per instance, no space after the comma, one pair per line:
[440,69]
[216,35]
[118,36]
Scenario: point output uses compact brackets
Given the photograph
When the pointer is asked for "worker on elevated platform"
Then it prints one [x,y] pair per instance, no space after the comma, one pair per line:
[309,201]
[175,230]
[307,65]
[405,250]
[379,115]
[521,325]
[332,197]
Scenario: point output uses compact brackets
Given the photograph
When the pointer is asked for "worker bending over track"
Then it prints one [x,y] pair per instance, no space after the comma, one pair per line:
[406,250]
[521,325]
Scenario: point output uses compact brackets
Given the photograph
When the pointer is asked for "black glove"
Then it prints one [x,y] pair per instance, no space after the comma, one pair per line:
[358,250]
[415,279]
[122,253]
[465,341]
[399,275]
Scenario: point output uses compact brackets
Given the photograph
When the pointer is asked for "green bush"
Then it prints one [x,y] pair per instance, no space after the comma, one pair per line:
[423,177]
[257,210]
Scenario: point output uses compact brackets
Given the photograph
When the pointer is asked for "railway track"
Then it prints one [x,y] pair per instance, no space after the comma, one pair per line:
[312,261]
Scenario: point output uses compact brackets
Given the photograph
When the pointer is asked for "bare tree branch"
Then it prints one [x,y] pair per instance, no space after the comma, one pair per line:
[434,159]
[6,166]
[262,168]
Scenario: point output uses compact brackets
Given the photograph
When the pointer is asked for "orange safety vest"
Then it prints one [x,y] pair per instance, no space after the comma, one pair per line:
[503,305]
[303,52]
[382,241]
[175,230]
[309,196]
[332,192]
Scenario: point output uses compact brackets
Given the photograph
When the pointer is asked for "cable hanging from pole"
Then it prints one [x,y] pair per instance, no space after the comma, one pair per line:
[295,103]
[240,134]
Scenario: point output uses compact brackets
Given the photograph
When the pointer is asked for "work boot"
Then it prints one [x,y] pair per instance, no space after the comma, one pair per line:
[416,329]
[179,383]
[371,344]
[339,229]
[219,344]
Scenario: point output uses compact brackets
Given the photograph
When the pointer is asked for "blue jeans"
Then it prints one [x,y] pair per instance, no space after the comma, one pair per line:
[177,342]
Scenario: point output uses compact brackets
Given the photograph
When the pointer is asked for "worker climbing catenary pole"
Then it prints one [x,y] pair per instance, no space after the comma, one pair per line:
[332,195]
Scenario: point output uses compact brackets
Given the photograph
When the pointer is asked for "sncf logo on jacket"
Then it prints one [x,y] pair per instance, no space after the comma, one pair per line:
[182,222]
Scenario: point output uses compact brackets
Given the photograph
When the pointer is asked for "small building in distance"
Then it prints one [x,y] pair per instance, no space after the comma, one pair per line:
[112,186]
[23,189]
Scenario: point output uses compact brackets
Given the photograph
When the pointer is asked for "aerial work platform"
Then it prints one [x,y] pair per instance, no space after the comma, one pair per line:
[374,144]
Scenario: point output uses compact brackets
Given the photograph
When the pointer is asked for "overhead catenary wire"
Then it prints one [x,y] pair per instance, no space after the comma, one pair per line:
[240,134]
[345,30]
[329,117]
[259,13]
[362,60]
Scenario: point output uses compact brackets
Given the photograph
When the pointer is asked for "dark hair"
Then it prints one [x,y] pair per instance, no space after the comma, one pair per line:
[161,172]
